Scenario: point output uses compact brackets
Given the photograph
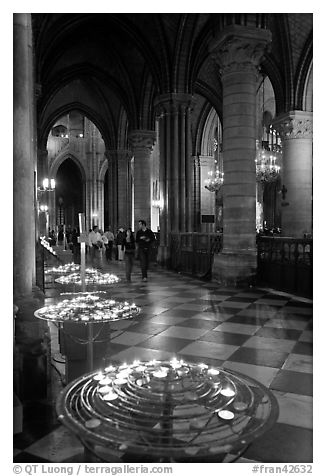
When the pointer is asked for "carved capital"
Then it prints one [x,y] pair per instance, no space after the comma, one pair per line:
[173,103]
[294,125]
[143,140]
[240,48]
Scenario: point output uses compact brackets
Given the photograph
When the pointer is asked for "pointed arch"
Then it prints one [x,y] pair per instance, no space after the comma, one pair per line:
[304,77]
[62,157]
[106,129]
[103,169]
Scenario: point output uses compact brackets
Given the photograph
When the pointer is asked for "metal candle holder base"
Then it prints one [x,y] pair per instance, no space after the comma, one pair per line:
[166,411]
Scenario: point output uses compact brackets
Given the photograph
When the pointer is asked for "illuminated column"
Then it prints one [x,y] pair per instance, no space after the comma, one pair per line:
[93,186]
[296,128]
[100,204]
[142,143]
[119,188]
[24,188]
[238,51]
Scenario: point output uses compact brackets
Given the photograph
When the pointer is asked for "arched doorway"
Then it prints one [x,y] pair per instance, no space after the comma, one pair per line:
[69,198]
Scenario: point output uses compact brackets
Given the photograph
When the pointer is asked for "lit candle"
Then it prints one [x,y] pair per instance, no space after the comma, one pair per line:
[105,389]
[203,366]
[213,371]
[141,368]
[110,396]
[105,381]
[124,373]
[98,376]
[110,368]
[160,374]
[225,414]
[227,392]
[120,381]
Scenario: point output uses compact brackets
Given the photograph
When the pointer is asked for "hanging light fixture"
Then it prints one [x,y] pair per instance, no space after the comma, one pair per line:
[267,152]
[214,183]
[266,168]
[216,179]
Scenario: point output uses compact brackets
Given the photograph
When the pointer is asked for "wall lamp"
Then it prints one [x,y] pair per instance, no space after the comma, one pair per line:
[48,185]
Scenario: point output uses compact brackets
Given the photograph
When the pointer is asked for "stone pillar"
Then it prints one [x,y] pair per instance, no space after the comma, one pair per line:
[174,114]
[295,128]
[197,194]
[94,208]
[112,158]
[100,203]
[24,187]
[176,166]
[119,191]
[238,51]
[142,143]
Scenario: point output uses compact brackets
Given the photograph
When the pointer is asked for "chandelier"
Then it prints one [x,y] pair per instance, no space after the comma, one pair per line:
[214,183]
[266,168]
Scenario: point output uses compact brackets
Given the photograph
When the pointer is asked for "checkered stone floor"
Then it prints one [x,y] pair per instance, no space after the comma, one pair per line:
[260,333]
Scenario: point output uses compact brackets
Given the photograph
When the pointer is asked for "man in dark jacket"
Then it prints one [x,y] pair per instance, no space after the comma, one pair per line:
[144,239]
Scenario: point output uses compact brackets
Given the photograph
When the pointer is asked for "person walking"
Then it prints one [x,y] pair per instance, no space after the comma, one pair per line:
[120,236]
[128,246]
[95,243]
[144,239]
[109,245]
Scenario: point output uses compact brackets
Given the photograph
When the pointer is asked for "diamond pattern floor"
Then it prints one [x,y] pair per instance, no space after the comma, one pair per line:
[260,333]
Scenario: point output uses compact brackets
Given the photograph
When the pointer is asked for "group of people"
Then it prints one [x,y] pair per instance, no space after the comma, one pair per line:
[126,244]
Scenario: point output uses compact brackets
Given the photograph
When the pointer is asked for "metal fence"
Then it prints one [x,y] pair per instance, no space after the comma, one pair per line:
[193,253]
[286,263]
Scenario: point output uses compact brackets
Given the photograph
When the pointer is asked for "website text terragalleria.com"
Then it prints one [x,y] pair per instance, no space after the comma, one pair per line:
[34,469]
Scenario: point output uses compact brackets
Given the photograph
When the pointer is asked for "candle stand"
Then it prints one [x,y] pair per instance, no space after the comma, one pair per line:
[84,326]
[165,411]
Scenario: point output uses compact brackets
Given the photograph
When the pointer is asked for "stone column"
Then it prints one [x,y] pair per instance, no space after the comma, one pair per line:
[296,128]
[238,51]
[174,114]
[119,191]
[94,209]
[24,187]
[100,203]
[112,188]
[176,166]
[142,143]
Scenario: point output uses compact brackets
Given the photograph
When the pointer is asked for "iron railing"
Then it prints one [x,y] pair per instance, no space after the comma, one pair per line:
[193,253]
[285,263]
